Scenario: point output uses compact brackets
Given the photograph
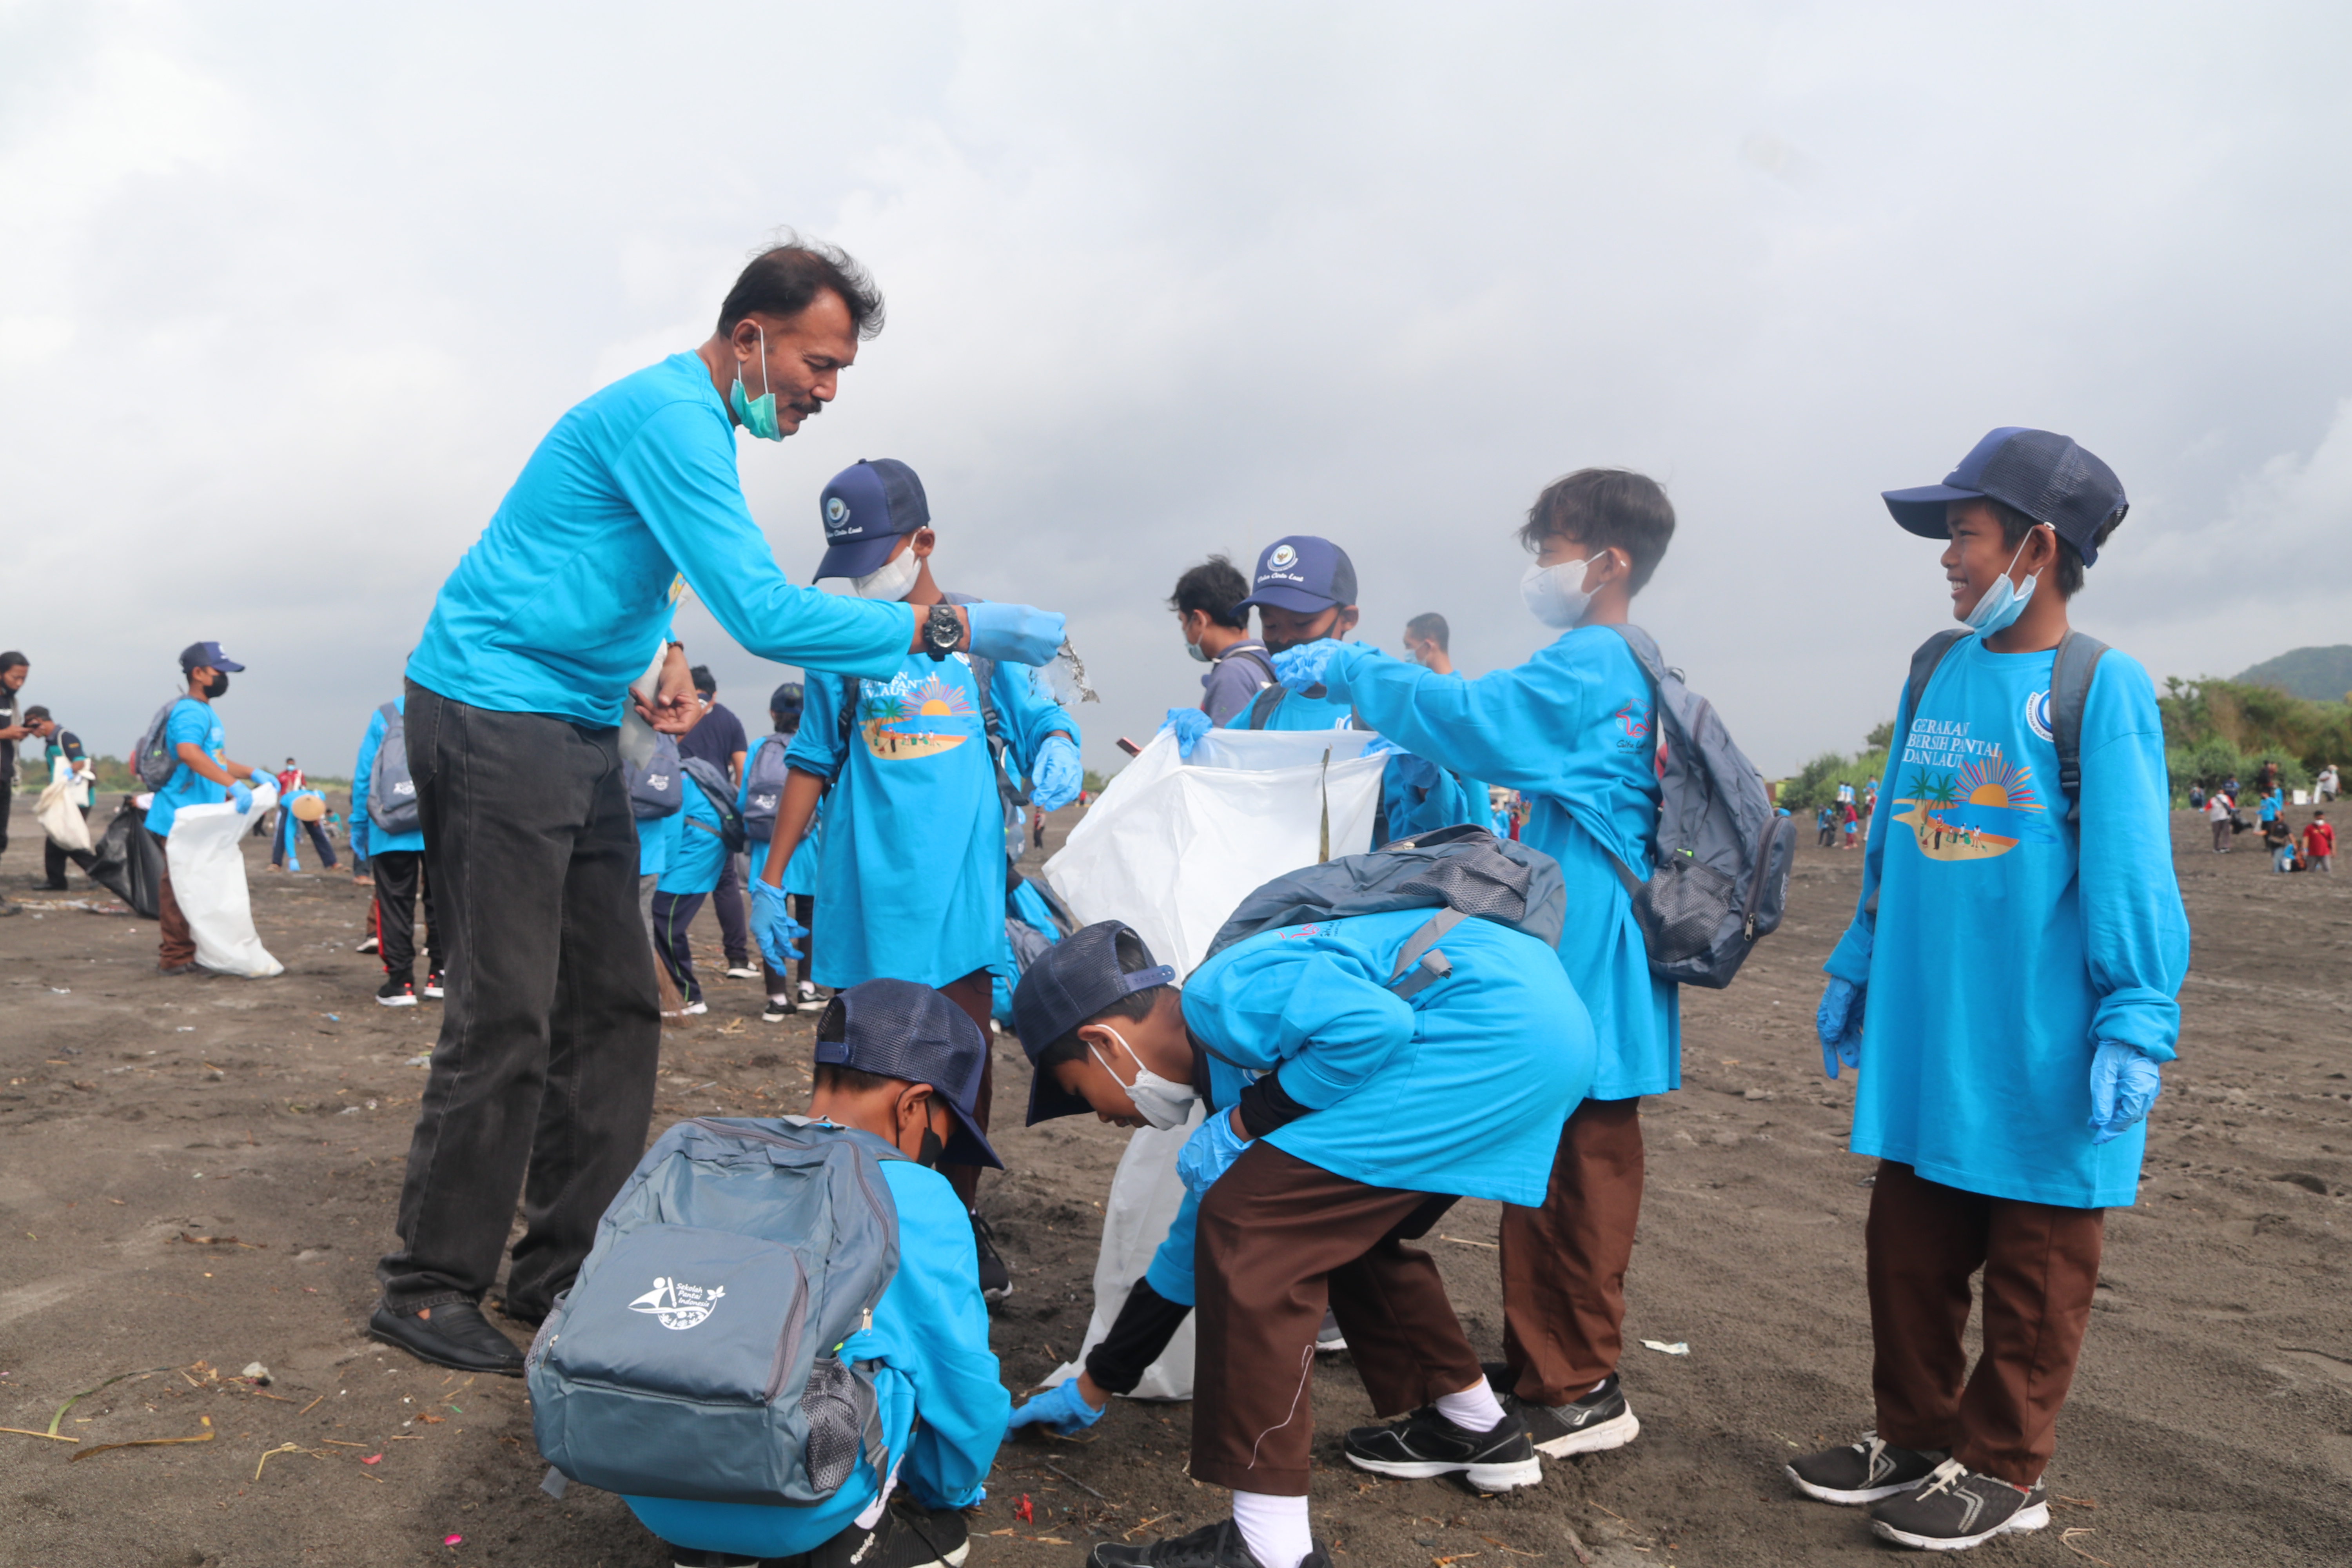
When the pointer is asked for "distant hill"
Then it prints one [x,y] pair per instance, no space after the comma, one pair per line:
[2320,674]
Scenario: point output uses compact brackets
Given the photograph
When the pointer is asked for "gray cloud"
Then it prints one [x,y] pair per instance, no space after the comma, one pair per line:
[287,297]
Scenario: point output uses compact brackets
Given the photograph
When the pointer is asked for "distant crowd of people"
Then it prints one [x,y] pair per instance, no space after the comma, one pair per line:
[2314,849]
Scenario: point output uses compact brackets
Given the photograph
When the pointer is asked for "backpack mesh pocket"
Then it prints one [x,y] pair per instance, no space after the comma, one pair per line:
[829,1407]
[1487,883]
[1682,907]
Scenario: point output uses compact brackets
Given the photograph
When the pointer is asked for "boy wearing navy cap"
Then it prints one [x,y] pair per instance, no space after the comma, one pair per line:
[204,777]
[1344,1119]
[900,1061]
[2019,942]
[912,881]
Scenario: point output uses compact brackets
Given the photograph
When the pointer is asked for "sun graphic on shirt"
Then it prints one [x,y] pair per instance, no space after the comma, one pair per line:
[936,699]
[1991,780]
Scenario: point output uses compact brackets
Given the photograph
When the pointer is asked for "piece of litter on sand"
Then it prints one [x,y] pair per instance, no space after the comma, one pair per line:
[422,1059]
[453,1540]
[372,1460]
[1680,1347]
[256,1371]
[204,1436]
[334,1017]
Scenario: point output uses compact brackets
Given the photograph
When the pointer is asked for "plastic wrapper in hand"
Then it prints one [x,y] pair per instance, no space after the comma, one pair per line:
[207,859]
[1170,848]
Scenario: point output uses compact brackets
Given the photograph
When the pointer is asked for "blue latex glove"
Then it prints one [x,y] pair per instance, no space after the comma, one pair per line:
[240,797]
[260,780]
[1014,634]
[1056,778]
[1190,724]
[772,926]
[2124,1084]
[1213,1146]
[1061,1409]
[1838,1020]
[1300,668]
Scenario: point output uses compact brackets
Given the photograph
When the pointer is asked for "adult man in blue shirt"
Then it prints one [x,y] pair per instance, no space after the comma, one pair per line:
[552,1022]
[205,777]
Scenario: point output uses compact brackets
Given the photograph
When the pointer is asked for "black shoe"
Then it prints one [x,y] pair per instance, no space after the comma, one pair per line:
[1328,1338]
[1955,1509]
[904,1537]
[1601,1419]
[995,1279]
[434,986]
[370,945]
[1217,1545]
[689,1557]
[1426,1443]
[455,1335]
[777,1011]
[1865,1471]
[740,969]
[397,993]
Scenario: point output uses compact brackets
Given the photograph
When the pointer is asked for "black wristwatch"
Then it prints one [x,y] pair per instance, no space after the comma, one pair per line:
[942,631]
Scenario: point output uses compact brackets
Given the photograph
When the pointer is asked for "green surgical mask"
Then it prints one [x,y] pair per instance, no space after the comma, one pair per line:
[758,414]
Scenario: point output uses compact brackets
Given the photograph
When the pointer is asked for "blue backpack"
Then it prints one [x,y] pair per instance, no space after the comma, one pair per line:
[391,792]
[657,789]
[695,1355]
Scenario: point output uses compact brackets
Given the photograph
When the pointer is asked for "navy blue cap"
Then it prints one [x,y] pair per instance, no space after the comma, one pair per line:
[2046,475]
[208,656]
[866,507]
[896,1028]
[1302,573]
[786,699]
[1077,978]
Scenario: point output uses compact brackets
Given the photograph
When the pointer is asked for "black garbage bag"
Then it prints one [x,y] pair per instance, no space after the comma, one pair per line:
[130,863]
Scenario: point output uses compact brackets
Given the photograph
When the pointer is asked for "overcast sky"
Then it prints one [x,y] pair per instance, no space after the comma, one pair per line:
[288,293]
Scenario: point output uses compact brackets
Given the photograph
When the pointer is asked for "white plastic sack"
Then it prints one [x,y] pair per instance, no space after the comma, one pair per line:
[59,813]
[1170,848]
[204,850]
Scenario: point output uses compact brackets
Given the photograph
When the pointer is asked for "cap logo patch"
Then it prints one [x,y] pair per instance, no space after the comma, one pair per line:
[836,510]
[1283,559]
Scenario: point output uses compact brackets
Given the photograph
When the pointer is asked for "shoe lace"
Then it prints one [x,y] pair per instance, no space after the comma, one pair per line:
[1943,1478]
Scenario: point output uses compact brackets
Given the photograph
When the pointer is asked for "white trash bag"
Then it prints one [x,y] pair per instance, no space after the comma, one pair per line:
[59,813]
[1170,848]
[206,852]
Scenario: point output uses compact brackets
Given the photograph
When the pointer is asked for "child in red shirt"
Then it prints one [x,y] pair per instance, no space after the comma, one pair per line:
[2319,842]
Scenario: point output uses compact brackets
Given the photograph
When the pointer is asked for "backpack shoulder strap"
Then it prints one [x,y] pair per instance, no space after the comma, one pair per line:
[2070,669]
[1259,656]
[1419,964]
[1645,649]
[1263,706]
[1924,661]
[391,715]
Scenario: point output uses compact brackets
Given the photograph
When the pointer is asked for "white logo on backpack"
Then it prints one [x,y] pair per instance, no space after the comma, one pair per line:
[676,1304]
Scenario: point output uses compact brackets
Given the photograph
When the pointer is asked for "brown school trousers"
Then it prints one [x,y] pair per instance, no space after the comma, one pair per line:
[1564,1264]
[2041,1264]
[1279,1239]
[177,946]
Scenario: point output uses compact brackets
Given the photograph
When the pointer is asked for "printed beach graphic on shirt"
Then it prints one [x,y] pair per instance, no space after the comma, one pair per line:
[1961,799]
[896,720]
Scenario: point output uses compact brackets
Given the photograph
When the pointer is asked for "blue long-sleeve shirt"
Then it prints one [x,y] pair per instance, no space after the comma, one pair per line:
[2005,944]
[911,883]
[930,1336]
[560,603]
[367,837]
[696,854]
[800,871]
[1572,730]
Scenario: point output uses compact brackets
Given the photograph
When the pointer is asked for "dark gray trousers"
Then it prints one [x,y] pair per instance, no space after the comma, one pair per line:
[542,1080]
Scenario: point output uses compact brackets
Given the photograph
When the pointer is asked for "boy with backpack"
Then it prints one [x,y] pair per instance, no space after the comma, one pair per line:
[1363,1071]
[835,1394]
[1573,729]
[764,773]
[187,740]
[707,833]
[2018,946]
[1208,611]
[915,773]
[389,838]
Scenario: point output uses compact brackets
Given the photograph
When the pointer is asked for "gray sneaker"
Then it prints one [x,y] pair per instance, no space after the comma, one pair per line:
[1598,1421]
[1955,1509]
[1865,1471]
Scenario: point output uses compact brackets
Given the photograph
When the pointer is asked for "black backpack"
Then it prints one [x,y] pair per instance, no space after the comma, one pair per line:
[154,760]
[713,785]
[2070,669]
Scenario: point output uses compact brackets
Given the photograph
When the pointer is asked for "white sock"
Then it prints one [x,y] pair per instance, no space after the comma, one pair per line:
[1274,1528]
[1473,1409]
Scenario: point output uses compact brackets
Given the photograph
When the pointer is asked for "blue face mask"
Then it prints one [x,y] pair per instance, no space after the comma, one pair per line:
[758,414]
[2002,602]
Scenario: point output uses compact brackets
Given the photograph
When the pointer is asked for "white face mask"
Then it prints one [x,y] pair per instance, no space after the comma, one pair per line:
[1554,594]
[1163,1104]
[894,579]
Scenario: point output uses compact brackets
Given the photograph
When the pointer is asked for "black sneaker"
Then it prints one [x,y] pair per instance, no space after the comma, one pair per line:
[1217,1545]
[995,1279]
[397,993]
[1599,1420]
[689,1557]
[370,945]
[1955,1509]
[1426,1443]
[1865,1471]
[778,1010]
[740,969]
[1328,1338]
[434,986]
[904,1537]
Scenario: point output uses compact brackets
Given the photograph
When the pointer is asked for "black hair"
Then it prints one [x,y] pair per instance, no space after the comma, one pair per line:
[12,658]
[1134,1006]
[783,279]
[2066,572]
[35,713]
[831,1028]
[1431,627]
[1604,507]
[1214,588]
[704,681]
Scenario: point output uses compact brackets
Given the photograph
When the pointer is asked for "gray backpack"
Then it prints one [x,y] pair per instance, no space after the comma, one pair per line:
[2070,669]
[763,786]
[1721,877]
[1463,871]
[693,1357]
[392,792]
[657,789]
[155,760]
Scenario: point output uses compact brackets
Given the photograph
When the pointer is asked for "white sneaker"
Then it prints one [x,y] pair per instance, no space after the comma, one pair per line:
[692,1008]
[742,972]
